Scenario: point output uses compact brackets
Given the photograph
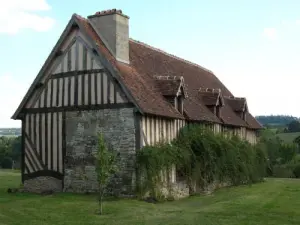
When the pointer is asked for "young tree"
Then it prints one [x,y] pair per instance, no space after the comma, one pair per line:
[105,167]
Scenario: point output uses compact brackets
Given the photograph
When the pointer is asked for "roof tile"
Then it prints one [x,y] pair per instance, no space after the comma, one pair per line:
[146,63]
[237,104]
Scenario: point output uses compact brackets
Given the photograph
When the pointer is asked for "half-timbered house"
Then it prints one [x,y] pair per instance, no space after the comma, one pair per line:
[97,79]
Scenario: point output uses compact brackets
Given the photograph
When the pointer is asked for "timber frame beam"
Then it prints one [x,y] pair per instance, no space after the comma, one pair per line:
[74,73]
[79,108]
[40,173]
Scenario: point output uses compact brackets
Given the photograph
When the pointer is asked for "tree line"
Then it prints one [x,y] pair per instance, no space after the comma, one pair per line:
[283,158]
[276,120]
[10,152]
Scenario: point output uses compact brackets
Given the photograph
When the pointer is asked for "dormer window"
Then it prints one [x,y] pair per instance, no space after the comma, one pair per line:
[180,99]
[239,106]
[218,111]
[244,115]
[212,99]
[172,88]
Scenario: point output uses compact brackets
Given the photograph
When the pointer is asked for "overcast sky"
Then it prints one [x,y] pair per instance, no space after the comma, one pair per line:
[252,46]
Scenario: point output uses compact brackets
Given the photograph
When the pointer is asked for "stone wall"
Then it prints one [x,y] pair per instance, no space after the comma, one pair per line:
[42,184]
[118,128]
[180,190]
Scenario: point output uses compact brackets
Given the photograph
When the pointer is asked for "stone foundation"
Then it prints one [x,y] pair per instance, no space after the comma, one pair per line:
[42,184]
[178,190]
[181,190]
[215,186]
[82,128]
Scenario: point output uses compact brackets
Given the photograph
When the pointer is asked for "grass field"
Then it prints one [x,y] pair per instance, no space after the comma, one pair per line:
[274,202]
[288,137]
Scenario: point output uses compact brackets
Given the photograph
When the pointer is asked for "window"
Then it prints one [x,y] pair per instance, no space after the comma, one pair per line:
[180,104]
[218,111]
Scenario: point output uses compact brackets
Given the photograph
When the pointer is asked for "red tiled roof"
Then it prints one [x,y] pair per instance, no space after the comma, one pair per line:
[195,110]
[252,122]
[237,104]
[147,62]
[168,86]
[209,97]
[141,87]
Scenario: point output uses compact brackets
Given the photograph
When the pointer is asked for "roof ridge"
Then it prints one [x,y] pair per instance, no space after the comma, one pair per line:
[79,16]
[210,90]
[171,55]
[168,77]
[235,98]
[159,50]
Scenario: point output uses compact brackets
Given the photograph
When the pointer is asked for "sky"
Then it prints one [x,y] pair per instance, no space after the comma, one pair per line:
[252,46]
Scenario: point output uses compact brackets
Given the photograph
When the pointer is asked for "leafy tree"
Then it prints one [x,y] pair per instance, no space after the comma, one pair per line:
[105,167]
[6,163]
[275,120]
[16,149]
[287,152]
[296,171]
[10,147]
[294,126]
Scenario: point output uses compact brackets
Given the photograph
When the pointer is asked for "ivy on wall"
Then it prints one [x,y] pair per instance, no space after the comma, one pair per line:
[201,158]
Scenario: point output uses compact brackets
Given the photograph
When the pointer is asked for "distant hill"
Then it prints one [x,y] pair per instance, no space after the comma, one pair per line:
[10,131]
[276,121]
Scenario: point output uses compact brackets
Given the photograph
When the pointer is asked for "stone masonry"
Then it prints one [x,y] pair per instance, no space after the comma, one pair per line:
[42,184]
[82,128]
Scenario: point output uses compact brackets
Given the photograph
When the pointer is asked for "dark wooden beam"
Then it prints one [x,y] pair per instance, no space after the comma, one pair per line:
[39,85]
[37,155]
[79,108]
[46,65]
[106,63]
[75,26]
[44,173]
[75,73]
[58,53]
[64,144]
[95,51]
[23,150]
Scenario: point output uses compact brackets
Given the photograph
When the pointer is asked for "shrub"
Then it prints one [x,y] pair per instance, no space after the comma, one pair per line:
[152,162]
[6,163]
[202,158]
[296,171]
[283,171]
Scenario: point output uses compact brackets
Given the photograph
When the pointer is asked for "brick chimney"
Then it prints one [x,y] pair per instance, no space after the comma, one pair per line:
[113,28]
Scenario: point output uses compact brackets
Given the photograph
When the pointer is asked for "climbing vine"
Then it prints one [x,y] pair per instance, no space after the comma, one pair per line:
[152,162]
[201,158]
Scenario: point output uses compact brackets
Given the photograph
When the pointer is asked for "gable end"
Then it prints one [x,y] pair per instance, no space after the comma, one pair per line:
[58,64]
[79,80]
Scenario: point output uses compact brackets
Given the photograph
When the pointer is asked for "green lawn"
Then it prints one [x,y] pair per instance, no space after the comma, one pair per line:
[276,201]
[288,137]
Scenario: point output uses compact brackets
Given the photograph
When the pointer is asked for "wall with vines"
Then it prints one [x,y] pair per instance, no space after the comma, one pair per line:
[202,157]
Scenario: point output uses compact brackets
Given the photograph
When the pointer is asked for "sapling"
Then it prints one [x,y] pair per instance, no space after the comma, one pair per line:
[105,167]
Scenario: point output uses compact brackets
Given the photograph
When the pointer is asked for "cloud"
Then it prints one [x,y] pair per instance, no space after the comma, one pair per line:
[270,33]
[16,15]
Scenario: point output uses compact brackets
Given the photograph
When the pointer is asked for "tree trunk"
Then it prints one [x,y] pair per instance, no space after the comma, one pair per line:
[100,199]
[101,204]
